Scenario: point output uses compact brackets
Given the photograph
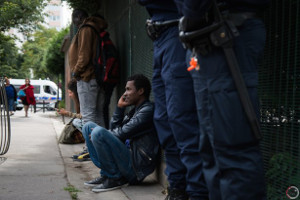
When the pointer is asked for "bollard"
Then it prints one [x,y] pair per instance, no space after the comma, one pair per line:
[43,106]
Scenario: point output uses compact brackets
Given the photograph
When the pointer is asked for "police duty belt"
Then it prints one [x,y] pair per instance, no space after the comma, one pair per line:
[155,28]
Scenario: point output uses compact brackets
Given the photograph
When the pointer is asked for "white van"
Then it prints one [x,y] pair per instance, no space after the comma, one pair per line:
[45,91]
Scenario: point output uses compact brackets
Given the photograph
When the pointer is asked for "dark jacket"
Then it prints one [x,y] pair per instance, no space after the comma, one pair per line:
[14,92]
[138,127]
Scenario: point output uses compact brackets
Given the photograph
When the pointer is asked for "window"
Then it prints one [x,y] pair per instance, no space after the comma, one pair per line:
[47,89]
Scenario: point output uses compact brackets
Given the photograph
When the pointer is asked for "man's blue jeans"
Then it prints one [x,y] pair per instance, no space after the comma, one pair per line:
[108,152]
[11,102]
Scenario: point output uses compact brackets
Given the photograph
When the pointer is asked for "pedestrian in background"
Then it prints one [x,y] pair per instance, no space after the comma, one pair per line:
[11,94]
[29,99]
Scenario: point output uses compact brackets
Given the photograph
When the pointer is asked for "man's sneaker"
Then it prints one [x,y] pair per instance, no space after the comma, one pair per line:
[83,157]
[96,181]
[85,151]
[176,194]
[110,184]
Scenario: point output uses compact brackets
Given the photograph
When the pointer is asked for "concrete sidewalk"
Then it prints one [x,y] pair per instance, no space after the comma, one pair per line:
[79,172]
[36,167]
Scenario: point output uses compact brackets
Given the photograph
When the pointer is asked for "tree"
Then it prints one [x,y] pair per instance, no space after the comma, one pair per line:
[34,50]
[20,14]
[92,6]
[54,58]
[10,58]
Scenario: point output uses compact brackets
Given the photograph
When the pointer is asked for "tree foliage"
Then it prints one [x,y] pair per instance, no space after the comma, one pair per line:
[20,14]
[92,6]
[54,58]
[42,53]
[34,50]
[10,58]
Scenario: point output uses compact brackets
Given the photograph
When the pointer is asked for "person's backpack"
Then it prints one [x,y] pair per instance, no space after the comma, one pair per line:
[107,66]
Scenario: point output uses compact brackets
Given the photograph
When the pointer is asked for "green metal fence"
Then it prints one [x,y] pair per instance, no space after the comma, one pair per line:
[279,77]
[127,27]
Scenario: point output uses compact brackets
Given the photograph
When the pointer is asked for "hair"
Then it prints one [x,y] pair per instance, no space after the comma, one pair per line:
[79,13]
[72,85]
[141,81]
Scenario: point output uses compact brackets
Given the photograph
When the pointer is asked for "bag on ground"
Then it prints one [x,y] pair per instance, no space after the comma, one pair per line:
[70,134]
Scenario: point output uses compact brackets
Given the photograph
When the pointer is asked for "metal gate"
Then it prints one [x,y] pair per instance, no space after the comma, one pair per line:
[4,120]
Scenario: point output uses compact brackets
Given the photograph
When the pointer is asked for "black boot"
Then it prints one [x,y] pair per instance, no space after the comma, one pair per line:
[176,194]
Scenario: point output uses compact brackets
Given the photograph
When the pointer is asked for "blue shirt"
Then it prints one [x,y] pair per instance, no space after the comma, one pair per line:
[10,93]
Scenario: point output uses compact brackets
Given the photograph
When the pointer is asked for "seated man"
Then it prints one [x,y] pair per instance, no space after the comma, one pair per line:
[126,153]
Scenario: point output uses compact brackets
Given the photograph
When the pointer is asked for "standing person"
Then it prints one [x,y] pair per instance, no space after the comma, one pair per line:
[81,56]
[175,114]
[228,142]
[128,151]
[77,122]
[29,99]
[11,94]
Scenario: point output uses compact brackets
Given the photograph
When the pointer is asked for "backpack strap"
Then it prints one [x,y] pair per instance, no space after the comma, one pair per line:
[99,51]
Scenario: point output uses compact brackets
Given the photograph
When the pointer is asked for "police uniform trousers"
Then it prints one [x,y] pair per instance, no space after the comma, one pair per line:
[227,142]
[175,115]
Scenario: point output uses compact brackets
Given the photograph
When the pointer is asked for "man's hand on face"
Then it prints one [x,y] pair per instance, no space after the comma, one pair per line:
[122,102]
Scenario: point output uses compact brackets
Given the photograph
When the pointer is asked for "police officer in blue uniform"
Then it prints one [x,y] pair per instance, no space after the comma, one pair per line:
[228,143]
[175,114]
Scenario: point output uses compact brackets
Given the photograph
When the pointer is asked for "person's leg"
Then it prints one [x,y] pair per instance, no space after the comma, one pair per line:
[99,107]
[11,105]
[182,115]
[113,155]
[210,166]
[26,107]
[86,132]
[88,97]
[108,89]
[236,149]
[175,170]
[78,123]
